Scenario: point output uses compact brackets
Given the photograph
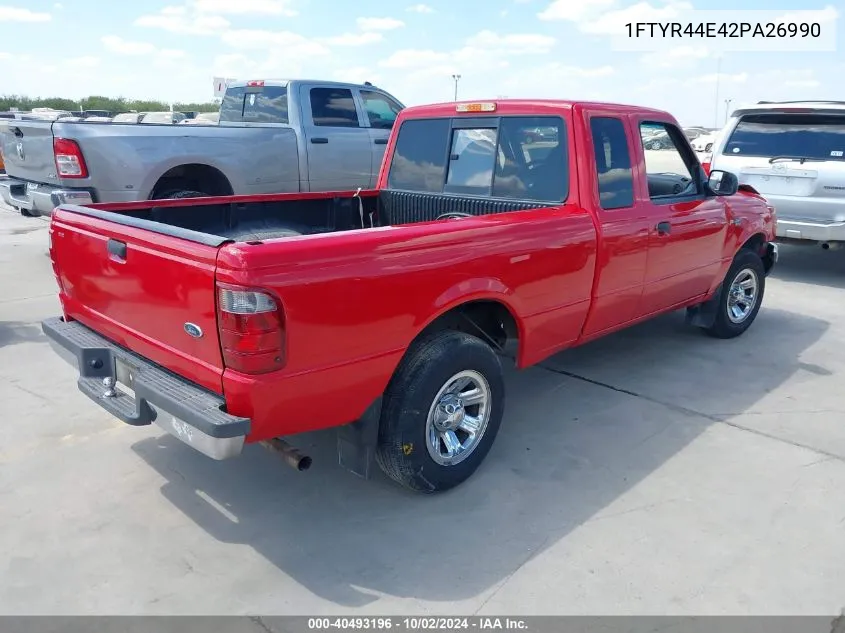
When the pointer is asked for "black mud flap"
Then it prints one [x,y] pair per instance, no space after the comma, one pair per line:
[704,314]
[356,442]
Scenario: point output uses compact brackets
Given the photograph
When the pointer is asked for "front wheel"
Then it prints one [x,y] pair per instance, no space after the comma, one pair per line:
[741,296]
[442,411]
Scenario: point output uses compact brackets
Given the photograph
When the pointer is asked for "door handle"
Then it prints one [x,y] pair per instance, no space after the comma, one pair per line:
[380,141]
[319,140]
[664,228]
[117,249]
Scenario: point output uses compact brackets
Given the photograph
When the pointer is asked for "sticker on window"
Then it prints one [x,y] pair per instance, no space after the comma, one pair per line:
[837,153]
[736,150]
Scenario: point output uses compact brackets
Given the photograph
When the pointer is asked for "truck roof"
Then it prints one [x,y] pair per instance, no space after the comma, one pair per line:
[287,82]
[792,106]
[526,106]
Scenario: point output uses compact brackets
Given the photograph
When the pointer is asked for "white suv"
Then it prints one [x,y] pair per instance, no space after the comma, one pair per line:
[793,153]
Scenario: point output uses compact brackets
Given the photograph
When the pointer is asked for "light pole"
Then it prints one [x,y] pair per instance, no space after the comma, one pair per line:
[456,78]
[727,109]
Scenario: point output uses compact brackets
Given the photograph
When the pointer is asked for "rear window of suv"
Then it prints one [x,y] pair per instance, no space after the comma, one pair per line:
[521,158]
[816,136]
[255,104]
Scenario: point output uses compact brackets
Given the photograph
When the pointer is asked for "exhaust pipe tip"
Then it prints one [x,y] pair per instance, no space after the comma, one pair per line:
[292,457]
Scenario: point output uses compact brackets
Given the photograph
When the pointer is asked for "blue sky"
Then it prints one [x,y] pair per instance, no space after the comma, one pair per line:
[171,49]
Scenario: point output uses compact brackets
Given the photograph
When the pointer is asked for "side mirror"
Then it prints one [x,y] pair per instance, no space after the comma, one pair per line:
[722,183]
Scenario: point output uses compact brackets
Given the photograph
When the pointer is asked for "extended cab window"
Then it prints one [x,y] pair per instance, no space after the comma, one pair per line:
[613,163]
[333,107]
[381,110]
[667,162]
[419,160]
[521,158]
[255,104]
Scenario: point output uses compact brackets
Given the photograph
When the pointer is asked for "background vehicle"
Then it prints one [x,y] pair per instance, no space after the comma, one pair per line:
[203,118]
[272,137]
[161,117]
[704,143]
[794,154]
[477,242]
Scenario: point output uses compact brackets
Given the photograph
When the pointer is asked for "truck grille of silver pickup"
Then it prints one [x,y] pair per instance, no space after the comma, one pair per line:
[406,207]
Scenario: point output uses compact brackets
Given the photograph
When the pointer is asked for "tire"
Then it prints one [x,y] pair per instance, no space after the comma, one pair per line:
[28,214]
[656,145]
[409,433]
[708,147]
[746,265]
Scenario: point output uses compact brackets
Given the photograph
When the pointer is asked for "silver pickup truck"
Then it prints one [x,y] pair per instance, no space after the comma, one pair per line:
[273,137]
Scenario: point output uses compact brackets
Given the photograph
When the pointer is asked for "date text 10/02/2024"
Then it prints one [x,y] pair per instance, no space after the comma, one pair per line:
[713,30]
[421,623]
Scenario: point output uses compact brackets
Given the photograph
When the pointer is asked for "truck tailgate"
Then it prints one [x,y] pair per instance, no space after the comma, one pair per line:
[151,293]
[28,150]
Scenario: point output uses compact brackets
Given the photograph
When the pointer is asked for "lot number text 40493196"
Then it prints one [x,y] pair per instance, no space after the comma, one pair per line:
[417,623]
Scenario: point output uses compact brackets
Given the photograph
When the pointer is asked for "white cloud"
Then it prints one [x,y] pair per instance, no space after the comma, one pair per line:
[240,7]
[17,14]
[379,24]
[723,78]
[420,8]
[59,6]
[828,14]
[177,20]
[118,45]
[276,43]
[354,39]
[86,61]
[678,57]
[605,17]
[413,58]
[613,22]
[513,44]
[575,10]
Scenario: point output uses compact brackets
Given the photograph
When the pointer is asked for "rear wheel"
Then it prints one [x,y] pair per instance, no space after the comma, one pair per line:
[741,296]
[28,214]
[441,413]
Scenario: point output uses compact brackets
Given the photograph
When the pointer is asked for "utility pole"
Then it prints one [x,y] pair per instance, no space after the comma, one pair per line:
[456,78]
[718,77]
[727,109]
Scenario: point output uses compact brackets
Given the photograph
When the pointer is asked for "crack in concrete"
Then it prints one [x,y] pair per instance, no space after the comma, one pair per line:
[691,412]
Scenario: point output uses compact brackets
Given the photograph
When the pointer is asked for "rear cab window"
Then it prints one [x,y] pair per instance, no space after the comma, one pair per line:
[510,157]
[255,104]
[793,135]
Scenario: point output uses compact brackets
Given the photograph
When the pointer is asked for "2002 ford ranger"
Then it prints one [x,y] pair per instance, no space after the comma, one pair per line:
[496,228]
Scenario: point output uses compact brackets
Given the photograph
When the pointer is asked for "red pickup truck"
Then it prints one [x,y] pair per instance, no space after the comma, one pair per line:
[502,228]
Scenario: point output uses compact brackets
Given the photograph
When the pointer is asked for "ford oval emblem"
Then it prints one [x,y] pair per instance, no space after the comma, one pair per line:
[193,330]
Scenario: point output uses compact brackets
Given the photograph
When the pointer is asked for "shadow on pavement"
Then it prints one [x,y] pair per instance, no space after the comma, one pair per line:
[811,265]
[14,332]
[567,450]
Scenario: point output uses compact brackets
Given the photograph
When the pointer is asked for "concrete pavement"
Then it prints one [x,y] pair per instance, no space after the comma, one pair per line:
[656,471]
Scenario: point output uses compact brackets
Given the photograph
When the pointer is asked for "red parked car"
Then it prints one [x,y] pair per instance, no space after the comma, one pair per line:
[386,313]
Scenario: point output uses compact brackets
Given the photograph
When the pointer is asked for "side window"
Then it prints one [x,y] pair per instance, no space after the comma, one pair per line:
[613,163]
[532,160]
[381,110]
[333,107]
[668,174]
[419,160]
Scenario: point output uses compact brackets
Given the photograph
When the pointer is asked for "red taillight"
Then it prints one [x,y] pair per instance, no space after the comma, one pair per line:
[251,326]
[706,168]
[69,160]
